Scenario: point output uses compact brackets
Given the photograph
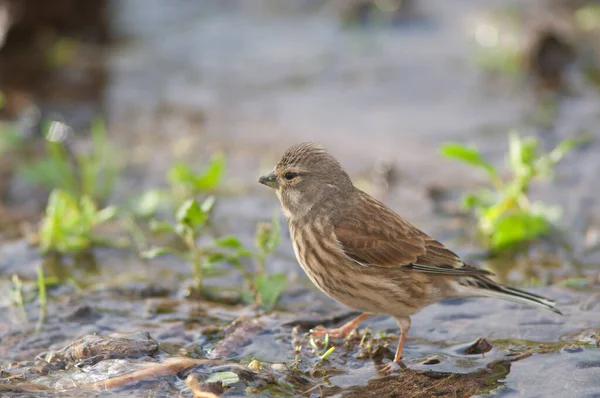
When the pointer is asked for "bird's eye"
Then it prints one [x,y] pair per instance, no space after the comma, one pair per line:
[290,175]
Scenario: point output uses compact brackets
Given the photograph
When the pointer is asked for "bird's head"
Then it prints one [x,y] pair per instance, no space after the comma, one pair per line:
[307,177]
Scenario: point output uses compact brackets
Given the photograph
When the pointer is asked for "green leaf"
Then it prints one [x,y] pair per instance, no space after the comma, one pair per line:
[105,214]
[216,258]
[212,175]
[183,230]
[61,215]
[563,148]
[470,201]
[327,353]
[230,241]
[522,154]
[208,204]
[41,285]
[269,288]
[191,214]
[181,174]
[160,227]
[516,228]
[214,272]
[243,252]
[226,378]
[88,211]
[468,155]
[235,261]
[575,282]
[154,252]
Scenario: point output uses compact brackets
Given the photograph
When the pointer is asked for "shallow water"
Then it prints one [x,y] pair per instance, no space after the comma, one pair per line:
[249,79]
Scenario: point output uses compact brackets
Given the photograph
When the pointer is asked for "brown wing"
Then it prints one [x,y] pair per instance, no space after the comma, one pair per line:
[373,235]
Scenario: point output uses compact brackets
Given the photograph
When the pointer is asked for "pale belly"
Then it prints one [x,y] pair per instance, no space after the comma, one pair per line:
[365,289]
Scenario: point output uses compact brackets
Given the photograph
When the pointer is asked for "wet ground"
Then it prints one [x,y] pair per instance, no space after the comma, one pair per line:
[249,80]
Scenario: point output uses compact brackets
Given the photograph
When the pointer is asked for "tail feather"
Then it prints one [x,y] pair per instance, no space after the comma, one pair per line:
[485,287]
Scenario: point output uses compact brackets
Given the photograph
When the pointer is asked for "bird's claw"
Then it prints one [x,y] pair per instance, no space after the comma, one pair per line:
[333,333]
[390,367]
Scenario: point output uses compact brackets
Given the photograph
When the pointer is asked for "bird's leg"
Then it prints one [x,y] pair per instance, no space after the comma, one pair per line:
[343,330]
[404,323]
[388,368]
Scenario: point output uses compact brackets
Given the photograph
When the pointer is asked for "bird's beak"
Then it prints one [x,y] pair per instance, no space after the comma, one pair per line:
[269,180]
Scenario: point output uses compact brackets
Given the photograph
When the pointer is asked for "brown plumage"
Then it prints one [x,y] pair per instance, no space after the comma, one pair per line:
[365,256]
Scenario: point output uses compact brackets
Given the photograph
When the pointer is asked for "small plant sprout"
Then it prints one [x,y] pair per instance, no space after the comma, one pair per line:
[68,224]
[323,353]
[16,293]
[23,293]
[263,289]
[185,182]
[266,241]
[42,298]
[266,288]
[327,353]
[505,213]
[191,220]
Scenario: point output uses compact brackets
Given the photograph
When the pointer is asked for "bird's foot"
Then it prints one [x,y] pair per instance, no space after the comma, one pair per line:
[342,331]
[390,367]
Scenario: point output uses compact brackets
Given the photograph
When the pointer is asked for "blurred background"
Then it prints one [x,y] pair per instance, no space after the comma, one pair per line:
[476,120]
[382,84]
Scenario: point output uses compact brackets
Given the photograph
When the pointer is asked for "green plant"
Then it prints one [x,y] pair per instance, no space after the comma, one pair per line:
[191,220]
[261,288]
[506,215]
[89,174]
[185,182]
[68,224]
[42,297]
[266,288]
[323,353]
[16,294]
[23,293]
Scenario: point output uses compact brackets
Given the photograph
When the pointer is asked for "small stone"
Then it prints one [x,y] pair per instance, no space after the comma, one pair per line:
[279,367]
[480,346]
[254,365]
[571,349]
[432,360]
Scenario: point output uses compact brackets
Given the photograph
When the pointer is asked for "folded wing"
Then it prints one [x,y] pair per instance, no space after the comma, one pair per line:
[380,238]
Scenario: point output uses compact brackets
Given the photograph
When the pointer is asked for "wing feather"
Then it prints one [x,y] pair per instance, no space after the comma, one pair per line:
[375,236]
